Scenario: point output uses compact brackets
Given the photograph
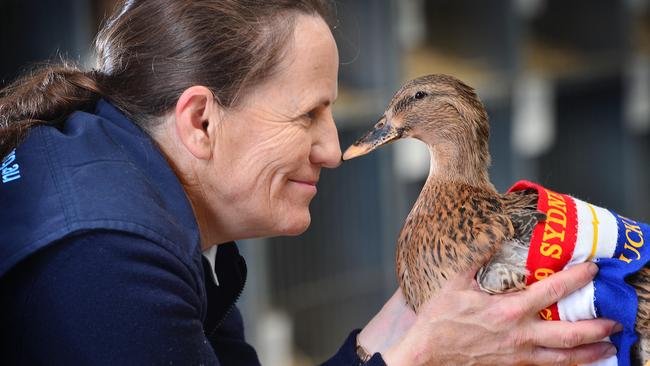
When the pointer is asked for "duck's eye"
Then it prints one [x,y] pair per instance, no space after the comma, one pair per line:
[420,95]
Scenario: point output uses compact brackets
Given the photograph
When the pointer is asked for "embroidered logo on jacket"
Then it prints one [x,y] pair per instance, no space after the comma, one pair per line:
[10,169]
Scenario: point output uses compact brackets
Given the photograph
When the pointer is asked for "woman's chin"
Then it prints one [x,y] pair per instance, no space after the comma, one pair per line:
[296,225]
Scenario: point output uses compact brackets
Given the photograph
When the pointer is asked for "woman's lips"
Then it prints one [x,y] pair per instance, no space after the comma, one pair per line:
[311,185]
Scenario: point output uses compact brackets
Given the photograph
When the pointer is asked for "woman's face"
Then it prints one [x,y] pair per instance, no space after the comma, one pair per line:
[270,149]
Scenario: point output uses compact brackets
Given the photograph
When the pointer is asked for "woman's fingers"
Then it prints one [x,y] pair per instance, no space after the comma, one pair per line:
[506,325]
[562,334]
[550,290]
[579,355]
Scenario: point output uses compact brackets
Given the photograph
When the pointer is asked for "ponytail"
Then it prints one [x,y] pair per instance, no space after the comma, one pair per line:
[46,96]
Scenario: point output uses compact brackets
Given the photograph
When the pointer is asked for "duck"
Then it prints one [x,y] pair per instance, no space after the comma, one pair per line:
[460,221]
[459,218]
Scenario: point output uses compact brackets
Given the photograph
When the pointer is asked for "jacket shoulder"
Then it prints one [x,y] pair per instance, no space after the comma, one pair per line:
[98,171]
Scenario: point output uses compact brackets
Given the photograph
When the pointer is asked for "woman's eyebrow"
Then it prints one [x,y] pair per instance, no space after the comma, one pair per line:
[320,103]
[326,102]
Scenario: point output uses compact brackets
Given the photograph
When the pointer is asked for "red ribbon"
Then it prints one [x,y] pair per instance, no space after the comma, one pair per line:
[553,240]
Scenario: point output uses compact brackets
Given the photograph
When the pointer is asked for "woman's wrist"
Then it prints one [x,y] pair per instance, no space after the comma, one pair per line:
[387,329]
[363,354]
[395,356]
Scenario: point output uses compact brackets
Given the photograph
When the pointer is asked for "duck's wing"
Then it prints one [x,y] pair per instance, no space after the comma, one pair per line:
[506,270]
[450,230]
[521,208]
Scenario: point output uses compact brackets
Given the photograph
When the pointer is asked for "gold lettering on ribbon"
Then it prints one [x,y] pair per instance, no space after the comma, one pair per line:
[556,216]
[546,314]
[634,240]
[556,200]
[550,234]
[635,230]
[542,273]
[550,250]
[555,227]
[553,238]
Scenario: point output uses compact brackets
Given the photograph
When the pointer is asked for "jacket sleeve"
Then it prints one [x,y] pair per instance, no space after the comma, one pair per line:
[347,354]
[104,298]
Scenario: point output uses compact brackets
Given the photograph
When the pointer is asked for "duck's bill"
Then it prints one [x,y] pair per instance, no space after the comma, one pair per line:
[383,133]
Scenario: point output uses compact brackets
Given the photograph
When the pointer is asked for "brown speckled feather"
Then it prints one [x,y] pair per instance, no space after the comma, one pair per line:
[641,283]
[451,229]
[521,208]
[506,271]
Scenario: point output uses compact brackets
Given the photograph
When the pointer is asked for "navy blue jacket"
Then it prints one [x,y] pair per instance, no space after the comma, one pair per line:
[100,259]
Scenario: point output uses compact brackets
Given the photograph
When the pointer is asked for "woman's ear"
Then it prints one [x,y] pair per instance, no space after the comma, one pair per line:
[195,111]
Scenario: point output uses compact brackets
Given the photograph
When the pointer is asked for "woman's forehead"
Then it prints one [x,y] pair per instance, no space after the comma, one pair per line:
[308,73]
[313,57]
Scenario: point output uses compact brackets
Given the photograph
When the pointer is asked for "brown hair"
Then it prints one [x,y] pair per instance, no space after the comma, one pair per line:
[150,51]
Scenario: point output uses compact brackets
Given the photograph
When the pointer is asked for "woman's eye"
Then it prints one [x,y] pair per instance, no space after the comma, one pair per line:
[310,116]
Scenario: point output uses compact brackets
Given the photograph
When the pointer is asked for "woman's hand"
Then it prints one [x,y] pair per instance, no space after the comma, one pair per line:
[463,326]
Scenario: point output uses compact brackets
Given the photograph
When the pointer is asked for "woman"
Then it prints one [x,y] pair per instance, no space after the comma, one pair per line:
[205,122]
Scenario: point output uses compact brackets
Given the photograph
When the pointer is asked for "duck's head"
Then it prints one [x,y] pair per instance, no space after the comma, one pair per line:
[437,109]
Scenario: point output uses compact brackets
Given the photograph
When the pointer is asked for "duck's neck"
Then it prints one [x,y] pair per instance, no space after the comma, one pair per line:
[460,159]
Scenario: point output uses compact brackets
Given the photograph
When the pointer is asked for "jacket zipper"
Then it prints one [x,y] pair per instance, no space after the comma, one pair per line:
[232,306]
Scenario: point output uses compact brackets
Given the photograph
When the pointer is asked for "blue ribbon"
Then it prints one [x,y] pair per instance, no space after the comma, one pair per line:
[614,298]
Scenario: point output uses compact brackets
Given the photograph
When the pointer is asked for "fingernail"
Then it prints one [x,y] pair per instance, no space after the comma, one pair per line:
[593,268]
[611,351]
[617,328]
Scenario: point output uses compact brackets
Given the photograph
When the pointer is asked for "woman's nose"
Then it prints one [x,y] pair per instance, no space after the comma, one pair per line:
[326,150]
